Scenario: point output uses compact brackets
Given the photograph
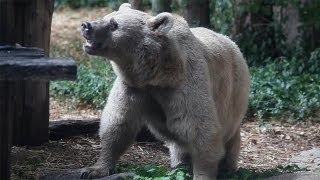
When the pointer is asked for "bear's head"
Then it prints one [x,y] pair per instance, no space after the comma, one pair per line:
[123,31]
[139,44]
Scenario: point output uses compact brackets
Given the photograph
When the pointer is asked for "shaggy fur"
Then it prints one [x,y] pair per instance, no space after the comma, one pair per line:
[190,87]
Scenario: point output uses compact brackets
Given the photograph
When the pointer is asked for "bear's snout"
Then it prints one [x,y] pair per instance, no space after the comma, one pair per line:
[86,26]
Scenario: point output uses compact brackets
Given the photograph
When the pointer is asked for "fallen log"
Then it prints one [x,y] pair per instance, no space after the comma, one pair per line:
[59,129]
[74,174]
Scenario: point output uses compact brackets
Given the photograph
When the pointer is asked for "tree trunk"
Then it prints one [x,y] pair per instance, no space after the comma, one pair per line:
[137,4]
[288,18]
[24,105]
[6,113]
[28,23]
[197,13]
[255,19]
[159,6]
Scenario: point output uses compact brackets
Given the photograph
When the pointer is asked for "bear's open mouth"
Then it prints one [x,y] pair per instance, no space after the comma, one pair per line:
[90,44]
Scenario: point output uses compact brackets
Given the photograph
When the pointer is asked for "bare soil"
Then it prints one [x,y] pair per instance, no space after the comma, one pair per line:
[261,148]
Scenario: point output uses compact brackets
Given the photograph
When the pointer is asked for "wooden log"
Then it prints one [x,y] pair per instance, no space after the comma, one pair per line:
[30,63]
[37,69]
[74,174]
[29,24]
[59,129]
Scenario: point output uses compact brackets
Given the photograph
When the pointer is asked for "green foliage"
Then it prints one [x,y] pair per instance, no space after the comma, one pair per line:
[285,79]
[258,29]
[221,16]
[152,172]
[91,87]
[286,89]
[246,174]
[310,25]
[94,77]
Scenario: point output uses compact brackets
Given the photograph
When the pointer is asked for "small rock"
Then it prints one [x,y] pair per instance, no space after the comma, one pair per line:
[309,159]
[288,137]
[277,129]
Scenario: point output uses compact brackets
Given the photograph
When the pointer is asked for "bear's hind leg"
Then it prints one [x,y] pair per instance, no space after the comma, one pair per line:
[206,155]
[230,160]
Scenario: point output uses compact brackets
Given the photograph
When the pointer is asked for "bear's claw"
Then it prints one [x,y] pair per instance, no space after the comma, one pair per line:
[94,172]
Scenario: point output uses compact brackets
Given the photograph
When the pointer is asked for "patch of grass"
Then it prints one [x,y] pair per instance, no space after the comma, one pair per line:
[246,174]
[153,172]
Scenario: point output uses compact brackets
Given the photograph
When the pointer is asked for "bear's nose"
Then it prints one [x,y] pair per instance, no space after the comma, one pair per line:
[86,26]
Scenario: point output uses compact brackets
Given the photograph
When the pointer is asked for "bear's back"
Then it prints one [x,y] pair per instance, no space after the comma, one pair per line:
[229,76]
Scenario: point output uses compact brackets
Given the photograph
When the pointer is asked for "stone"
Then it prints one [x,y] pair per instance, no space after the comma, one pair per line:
[309,159]
[297,176]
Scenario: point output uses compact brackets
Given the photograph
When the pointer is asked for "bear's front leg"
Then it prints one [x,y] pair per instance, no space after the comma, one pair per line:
[120,122]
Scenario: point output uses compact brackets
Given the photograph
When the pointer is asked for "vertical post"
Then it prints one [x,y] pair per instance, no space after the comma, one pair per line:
[29,24]
[6,110]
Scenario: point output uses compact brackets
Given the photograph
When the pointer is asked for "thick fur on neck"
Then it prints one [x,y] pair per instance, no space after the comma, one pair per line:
[156,63]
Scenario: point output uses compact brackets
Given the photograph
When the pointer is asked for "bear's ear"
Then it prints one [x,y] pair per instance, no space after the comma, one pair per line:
[162,23]
[125,6]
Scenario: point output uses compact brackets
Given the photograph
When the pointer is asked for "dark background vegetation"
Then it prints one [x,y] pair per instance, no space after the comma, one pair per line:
[279,39]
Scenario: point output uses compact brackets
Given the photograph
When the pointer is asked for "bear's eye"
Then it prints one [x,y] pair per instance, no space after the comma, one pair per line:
[113,24]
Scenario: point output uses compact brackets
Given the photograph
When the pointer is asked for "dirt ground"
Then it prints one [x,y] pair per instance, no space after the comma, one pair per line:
[261,148]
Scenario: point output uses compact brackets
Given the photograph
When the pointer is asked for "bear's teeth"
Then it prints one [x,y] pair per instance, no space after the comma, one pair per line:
[90,42]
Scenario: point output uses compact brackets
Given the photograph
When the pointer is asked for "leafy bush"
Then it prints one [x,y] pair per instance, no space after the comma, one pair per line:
[246,174]
[152,172]
[286,89]
[91,87]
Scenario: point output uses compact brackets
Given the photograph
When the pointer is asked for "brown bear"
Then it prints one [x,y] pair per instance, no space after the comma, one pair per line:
[189,86]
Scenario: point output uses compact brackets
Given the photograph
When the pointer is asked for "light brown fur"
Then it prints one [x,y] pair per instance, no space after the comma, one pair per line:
[190,86]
